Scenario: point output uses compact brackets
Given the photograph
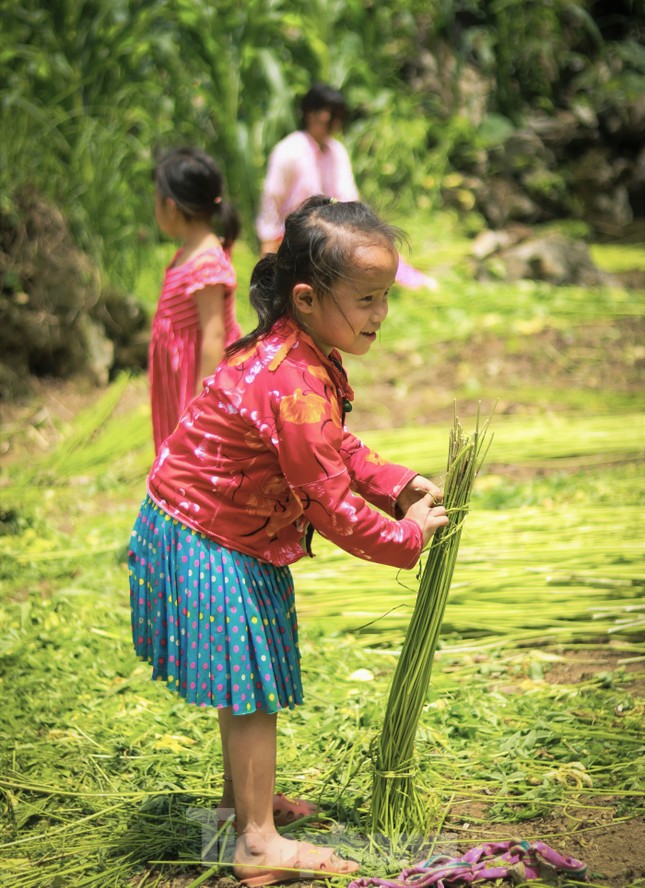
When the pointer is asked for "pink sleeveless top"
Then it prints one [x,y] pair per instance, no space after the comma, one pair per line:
[174,354]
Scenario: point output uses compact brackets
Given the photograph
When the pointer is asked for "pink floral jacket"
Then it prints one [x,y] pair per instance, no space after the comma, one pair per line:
[262,452]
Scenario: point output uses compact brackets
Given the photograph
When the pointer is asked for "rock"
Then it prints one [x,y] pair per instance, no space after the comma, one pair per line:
[520,152]
[557,129]
[610,212]
[625,120]
[585,114]
[98,351]
[599,181]
[502,200]
[488,242]
[127,326]
[595,168]
[456,85]
[553,258]
[56,321]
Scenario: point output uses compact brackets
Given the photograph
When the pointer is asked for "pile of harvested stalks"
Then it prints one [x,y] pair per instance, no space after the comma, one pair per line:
[396,807]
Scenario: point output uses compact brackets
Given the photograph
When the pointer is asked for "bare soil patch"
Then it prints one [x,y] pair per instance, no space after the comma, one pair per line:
[611,849]
[35,425]
[402,388]
[581,665]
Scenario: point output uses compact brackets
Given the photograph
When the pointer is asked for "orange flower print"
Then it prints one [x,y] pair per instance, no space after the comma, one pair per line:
[318,373]
[240,357]
[275,486]
[253,440]
[278,520]
[336,415]
[259,505]
[299,408]
[374,458]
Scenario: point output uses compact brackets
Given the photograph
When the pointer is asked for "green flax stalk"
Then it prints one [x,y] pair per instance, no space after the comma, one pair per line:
[396,806]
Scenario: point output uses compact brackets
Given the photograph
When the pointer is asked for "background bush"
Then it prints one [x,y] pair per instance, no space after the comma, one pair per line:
[90,90]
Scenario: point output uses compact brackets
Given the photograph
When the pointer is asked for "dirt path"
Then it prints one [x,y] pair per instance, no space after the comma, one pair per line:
[398,389]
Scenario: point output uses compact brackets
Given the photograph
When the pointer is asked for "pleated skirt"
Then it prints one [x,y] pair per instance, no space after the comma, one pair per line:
[217,626]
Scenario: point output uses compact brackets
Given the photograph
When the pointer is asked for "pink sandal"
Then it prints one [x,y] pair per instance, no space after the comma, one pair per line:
[286,810]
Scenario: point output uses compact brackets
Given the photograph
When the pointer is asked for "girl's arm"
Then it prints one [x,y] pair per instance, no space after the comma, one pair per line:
[388,486]
[210,303]
[309,444]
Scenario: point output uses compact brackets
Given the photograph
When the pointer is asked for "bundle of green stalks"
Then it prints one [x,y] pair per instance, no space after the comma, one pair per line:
[397,808]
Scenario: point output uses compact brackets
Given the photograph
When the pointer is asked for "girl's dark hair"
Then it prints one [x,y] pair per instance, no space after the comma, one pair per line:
[193,180]
[323,96]
[320,239]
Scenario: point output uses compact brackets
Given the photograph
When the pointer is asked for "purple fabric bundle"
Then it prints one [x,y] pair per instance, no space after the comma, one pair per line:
[515,860]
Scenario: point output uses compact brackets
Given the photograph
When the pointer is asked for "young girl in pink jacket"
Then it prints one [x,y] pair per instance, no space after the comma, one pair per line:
[259,459]
[195,317]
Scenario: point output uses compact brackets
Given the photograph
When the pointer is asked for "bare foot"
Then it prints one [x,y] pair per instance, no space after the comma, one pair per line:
[257,863]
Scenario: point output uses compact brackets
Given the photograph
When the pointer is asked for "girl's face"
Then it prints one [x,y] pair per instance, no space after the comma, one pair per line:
[165,214]
[350,317]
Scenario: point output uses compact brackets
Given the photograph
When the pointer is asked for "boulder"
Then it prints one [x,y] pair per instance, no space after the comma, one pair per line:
[553,257]
[56,320]
[501,200]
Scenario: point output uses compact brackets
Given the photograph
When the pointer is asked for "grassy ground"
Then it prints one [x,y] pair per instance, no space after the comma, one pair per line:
[533,724]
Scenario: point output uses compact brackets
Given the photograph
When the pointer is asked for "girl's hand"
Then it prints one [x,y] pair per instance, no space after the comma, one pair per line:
[415,489]
[428,516]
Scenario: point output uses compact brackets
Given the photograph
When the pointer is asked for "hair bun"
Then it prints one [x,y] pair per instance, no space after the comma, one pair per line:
[264,272]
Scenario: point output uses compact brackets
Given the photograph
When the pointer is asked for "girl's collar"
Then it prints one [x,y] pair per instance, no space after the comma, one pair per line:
[212,248]
[333,362]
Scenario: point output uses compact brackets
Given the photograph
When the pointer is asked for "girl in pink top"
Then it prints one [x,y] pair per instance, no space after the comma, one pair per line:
[195,318]
[259,459]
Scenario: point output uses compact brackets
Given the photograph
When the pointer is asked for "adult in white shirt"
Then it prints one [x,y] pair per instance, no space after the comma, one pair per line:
[311,161]
[308,161]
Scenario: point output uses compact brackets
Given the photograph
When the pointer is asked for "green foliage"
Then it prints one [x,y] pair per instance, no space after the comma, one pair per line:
[524,47]
[99,77]
[619,80]
[391,159]
[91,91]
[69,99]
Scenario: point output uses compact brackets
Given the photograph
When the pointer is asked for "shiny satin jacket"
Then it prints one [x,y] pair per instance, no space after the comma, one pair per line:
[263,451]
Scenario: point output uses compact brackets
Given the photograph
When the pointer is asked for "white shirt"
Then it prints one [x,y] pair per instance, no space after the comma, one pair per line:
[299,168]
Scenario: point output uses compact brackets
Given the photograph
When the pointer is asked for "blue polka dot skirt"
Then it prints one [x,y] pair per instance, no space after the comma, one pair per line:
[217,626]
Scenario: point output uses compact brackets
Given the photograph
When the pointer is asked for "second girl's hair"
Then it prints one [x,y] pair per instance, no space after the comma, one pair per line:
[193,180]
[320,239]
